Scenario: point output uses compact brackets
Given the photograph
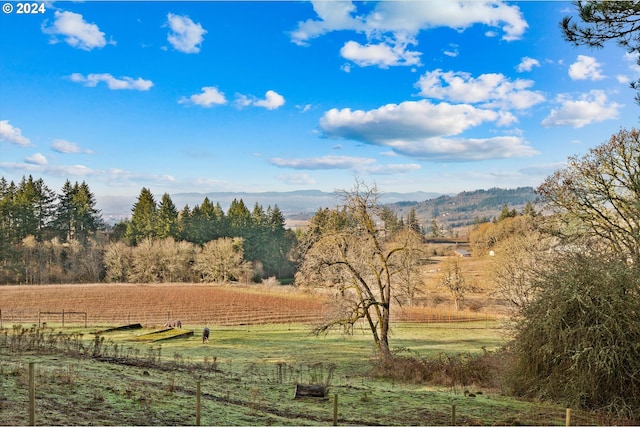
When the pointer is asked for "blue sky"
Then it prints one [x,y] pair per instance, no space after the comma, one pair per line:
[437,96]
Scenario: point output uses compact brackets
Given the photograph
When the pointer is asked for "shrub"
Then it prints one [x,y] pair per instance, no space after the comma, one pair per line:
[464,369]
[579,341]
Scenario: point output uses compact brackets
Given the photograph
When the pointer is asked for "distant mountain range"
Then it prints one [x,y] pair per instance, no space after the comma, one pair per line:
[290,202]
[294,204]
[449,210]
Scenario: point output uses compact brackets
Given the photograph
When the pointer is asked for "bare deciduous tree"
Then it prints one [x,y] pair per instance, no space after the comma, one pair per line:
[517,262]
[221,260]
[453,280]
[598,194]
[346,249]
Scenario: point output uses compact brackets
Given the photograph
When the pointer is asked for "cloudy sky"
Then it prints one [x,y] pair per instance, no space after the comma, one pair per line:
[439,96]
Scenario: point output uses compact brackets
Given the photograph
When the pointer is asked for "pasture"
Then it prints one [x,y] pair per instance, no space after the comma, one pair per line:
[248,370]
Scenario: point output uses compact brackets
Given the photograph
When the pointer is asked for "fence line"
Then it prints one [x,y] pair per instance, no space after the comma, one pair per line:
[220,316]
[457,411]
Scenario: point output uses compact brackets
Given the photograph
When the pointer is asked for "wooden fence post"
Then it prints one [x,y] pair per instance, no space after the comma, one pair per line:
[568,417]
[198,403]
[335,409]
[453,415]
[32,395]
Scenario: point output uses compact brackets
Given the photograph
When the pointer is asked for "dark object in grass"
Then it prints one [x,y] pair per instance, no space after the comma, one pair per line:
[310,390]
[121,328]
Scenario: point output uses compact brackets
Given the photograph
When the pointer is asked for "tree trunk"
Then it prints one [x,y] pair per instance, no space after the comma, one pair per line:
[385,353]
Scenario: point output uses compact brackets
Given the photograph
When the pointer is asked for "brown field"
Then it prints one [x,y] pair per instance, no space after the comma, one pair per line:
[155,304]
[194,304]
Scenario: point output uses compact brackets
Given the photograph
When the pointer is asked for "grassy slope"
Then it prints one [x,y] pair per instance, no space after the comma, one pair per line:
[257,368]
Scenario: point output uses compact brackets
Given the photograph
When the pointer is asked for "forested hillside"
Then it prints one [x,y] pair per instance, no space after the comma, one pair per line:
[466,208]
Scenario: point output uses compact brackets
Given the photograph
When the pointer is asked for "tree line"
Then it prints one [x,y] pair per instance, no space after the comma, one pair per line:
[49,237]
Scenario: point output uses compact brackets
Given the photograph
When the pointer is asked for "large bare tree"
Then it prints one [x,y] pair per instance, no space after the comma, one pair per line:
[599,194]
[348,249]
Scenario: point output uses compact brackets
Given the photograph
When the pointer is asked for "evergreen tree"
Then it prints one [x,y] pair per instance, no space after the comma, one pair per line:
[529,210]
[183,228]
[7,213]
[412,221]
[239,218]
[434,230]
[390,219]
[207,221]
[220,226]
[76,217]
[606,21]
[143,218]
[257,235]
[87,219]
[64,212]
[33,206]
[506,213]
[167,223]
[280,243]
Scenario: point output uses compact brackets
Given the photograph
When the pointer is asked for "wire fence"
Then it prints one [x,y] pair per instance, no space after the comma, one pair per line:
[223,316]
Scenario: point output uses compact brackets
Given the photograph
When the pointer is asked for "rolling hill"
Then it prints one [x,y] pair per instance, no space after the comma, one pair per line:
[467,207]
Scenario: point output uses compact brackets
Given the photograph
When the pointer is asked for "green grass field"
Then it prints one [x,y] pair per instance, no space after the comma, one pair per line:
[247,376]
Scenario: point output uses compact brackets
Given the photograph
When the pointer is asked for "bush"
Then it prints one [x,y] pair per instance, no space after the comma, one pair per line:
[579,341]
[465,369]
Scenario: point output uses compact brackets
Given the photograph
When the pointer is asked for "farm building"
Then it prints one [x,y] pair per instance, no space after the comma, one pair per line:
[462,253]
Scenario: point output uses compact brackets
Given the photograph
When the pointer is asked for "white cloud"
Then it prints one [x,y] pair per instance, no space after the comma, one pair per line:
[453,51]
[67,147]
[186,36]
[634,67]
[632,59]
[392,169]
[297,179]
[209,96]
[323,162]
[304,108]
[122,83]
[527,64]
[382,54]
[76,31]
[542,169]
[621,78]
[12,134]
[408,120]
[421,129]
[20,167]
[585,68]
[45,169]
[492,90]
[272,100]
[36,159]
[359,164]
[119,176]
[396,23]
[334,16]
[589,108]
[465,149]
